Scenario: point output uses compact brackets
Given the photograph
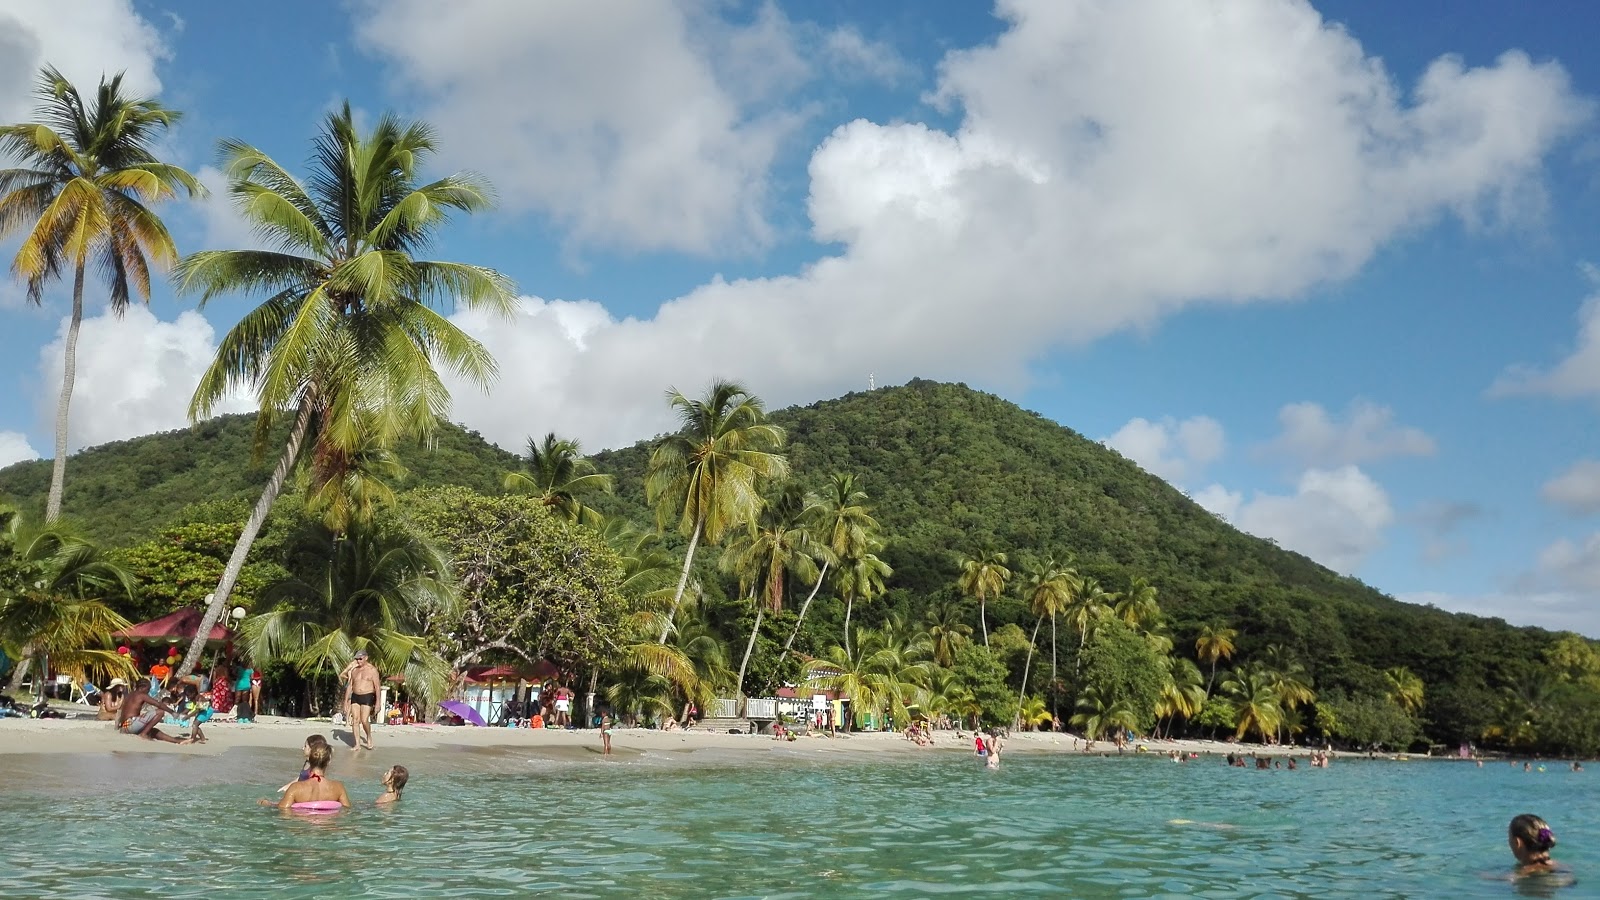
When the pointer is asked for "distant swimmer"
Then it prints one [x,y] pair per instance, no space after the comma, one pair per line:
[1220,826]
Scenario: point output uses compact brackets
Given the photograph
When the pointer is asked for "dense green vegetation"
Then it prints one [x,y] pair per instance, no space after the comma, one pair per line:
[951,474]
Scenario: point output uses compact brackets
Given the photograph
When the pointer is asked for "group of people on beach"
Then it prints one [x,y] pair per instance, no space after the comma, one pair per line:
[314,791]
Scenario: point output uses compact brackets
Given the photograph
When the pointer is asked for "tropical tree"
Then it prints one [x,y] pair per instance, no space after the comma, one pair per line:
[383,587]
[1034,713]
[347,339]
[1047,588]
[708,474]
[861,578]
[82,195]
[1215,642]
[1085,607]
[53,600]
[984,577]
[1256,703]
[1182,694]
[947,632]
[1137,606]
[557,473]
[1099,712]
[844,529]
[1405,689]
[764,553]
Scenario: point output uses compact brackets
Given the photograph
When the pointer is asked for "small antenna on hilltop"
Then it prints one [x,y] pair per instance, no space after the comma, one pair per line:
[872,384]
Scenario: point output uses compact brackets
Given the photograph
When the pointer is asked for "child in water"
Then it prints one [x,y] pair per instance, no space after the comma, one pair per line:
[1531,839]
[305,770]
[395,780]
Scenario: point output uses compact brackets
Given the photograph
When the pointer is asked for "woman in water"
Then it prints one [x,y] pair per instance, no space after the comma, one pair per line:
[317,788]
[1531,840]
[305,770]
[394,781]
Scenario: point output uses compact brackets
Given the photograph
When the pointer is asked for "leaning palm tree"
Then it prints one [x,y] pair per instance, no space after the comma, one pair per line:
[559,475]
[1088,603]
[707,476]
[1182,694]
[1098,712]
[82,193]
[1215,642]
[57,607]
[1256,702]
[768,549]
[844,528]
[348,338]
[1047,588]
[983,578]
[861,578]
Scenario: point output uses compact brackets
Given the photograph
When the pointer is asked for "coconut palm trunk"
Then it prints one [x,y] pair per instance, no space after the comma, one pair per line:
[805,606]
[983,621]
[849,601]
[683,579]
[1055,712]
[748,647]
[1027,663]
[58,466]
[252,527]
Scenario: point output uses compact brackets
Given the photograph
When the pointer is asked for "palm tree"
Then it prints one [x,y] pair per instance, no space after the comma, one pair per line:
[357,490]
[1137,605]
[1047,589]
[861,578]
[1256,702]
[1182,694]
[1098,713]
[347,339]
[1215,642]
[707,474]
[982,577]
[946,631]
[1086,605]
[766,551]
[558,474]
[383,587]
[1405,689]
[58,607]
[1034,713]
[83,191]
[844,529]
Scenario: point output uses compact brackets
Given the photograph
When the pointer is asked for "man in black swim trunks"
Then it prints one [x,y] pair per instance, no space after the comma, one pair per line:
[361,697]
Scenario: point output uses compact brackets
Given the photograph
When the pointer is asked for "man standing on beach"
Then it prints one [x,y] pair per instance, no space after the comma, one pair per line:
[361,697]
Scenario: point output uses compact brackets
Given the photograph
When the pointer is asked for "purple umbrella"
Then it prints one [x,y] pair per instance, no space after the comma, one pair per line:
[467,713]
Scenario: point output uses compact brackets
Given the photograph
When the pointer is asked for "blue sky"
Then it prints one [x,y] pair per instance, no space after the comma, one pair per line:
[1323,266]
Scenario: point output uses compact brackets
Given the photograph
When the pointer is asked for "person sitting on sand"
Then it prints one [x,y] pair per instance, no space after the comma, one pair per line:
[314,740]
[111,699]
[139,714]
[1531,841]
[395,780]
[317,788]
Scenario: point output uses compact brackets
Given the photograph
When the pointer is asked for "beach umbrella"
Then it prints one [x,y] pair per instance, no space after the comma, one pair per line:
[467,713]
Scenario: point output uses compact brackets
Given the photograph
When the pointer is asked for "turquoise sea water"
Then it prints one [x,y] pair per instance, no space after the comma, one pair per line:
[792,828]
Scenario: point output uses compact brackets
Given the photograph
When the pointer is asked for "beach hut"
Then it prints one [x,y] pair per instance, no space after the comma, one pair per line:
[487,689]
[168,636]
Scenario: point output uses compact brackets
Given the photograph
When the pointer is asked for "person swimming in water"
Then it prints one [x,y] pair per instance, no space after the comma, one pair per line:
[1531,840]
[317,788]
[395,781]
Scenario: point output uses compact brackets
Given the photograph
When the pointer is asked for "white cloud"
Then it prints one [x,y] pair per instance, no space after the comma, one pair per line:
[853,55]
[1577,489]
[84,39]
[1114,164]
[1576,376]
[1171,449]
[1571,565]
[1335,516]
[223,227]
[632,124]
[1368,432]
[14,448]
[134,375]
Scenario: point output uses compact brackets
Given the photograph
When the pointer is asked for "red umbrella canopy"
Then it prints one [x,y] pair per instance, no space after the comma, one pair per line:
[482,674]
[181,624]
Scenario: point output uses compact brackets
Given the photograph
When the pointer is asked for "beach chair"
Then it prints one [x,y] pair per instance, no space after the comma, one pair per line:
[86,693]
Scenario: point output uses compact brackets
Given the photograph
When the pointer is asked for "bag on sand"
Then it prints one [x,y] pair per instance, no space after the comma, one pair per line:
[245,710]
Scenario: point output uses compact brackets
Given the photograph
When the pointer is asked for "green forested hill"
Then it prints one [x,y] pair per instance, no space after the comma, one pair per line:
[124,491]
[950,471]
